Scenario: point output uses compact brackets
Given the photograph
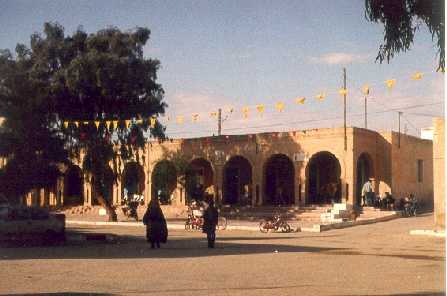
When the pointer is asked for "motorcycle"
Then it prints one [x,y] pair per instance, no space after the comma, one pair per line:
[274,224]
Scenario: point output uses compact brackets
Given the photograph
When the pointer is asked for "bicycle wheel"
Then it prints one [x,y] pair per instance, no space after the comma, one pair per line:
[285,227]
[222,223]
[263,226]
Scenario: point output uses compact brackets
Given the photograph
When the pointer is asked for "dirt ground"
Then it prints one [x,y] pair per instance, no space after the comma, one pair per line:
[375,259]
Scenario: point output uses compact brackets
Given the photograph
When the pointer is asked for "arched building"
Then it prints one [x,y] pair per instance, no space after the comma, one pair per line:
[291,168]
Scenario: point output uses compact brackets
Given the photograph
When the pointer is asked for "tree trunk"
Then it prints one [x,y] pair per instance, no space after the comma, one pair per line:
[109,208]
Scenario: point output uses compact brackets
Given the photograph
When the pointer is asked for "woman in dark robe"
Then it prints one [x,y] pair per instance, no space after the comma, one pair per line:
[156,227]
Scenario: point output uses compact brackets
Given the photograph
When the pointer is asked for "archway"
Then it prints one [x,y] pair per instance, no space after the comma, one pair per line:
[364,172]
[279,176]
[237,181]
[198,178]
[73,186]
[323,179]
[164,181]
[133,179]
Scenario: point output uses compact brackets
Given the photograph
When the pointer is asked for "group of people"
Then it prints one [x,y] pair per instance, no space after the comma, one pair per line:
[157,230]
[370,199]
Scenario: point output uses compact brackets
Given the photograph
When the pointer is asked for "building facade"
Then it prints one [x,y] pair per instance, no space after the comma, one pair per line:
[295,168]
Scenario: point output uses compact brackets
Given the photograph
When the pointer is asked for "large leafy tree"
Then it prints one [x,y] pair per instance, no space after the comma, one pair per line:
[99,77]
[29,138]
[402,19]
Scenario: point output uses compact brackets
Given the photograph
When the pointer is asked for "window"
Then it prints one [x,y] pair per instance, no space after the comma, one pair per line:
[420,170]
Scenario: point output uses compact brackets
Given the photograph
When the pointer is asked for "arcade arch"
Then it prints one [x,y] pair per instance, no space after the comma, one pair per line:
[237,179]
[279,176]
[73,186]
[164,181]
[198,178]
[323,178]
[364,173]
[133,179]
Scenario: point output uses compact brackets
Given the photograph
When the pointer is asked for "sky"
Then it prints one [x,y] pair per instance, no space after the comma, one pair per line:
[239,54]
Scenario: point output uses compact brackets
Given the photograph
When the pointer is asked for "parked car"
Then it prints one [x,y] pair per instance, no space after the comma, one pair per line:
[21,223]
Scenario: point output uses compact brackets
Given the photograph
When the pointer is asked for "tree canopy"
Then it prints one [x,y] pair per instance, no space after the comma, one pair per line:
[84,78]
[402,19]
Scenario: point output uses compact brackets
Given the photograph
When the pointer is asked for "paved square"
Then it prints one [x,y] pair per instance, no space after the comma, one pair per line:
[376,259]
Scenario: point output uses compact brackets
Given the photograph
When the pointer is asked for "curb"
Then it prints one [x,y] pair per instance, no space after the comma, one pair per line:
[433,233]
[315,228]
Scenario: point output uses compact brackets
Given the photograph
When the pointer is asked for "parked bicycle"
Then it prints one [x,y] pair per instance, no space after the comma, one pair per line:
[195,219]
[277,222]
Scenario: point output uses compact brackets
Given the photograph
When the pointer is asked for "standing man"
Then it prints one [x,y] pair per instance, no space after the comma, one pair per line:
[210,218]
[367,192]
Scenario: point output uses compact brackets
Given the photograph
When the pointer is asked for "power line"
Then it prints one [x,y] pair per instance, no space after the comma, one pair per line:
[324,119]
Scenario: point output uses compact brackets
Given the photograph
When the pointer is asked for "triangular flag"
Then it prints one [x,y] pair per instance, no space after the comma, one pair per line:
[230,110]
[195,117]
[320,96]
[127,122]
[343,91]
[139,121]
[213,114]
[153,122]
[365,89]
[417,76]
[85,122]
[279,106]
[245,112]
[390,83]
[108,122]
[65,124]
[260,108]
[115,124]
[300,100]
[97,123]
[180,119]
[76,123]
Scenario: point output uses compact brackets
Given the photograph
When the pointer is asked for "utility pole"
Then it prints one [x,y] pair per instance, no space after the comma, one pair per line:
[219,122]
[398,138]
[344,105]
[366,111]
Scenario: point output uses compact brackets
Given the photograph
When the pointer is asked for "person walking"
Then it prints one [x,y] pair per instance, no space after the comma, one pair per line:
[210,218]
[367,193]
[156,227]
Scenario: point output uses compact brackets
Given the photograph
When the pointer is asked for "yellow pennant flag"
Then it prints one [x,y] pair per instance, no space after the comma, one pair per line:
[343,91]
[115,123]
[76,123]
[139,121]
[65,124]
[180,119]
[300,100]
[108,122]
[417,76]
[213,114]
[365,89]
[195,117]
[85,122]
[97,123]
[127,122]
[260,108]
[230,110]
[390,83]
[279,106]
[320,96]
[153,122]
[245,112]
